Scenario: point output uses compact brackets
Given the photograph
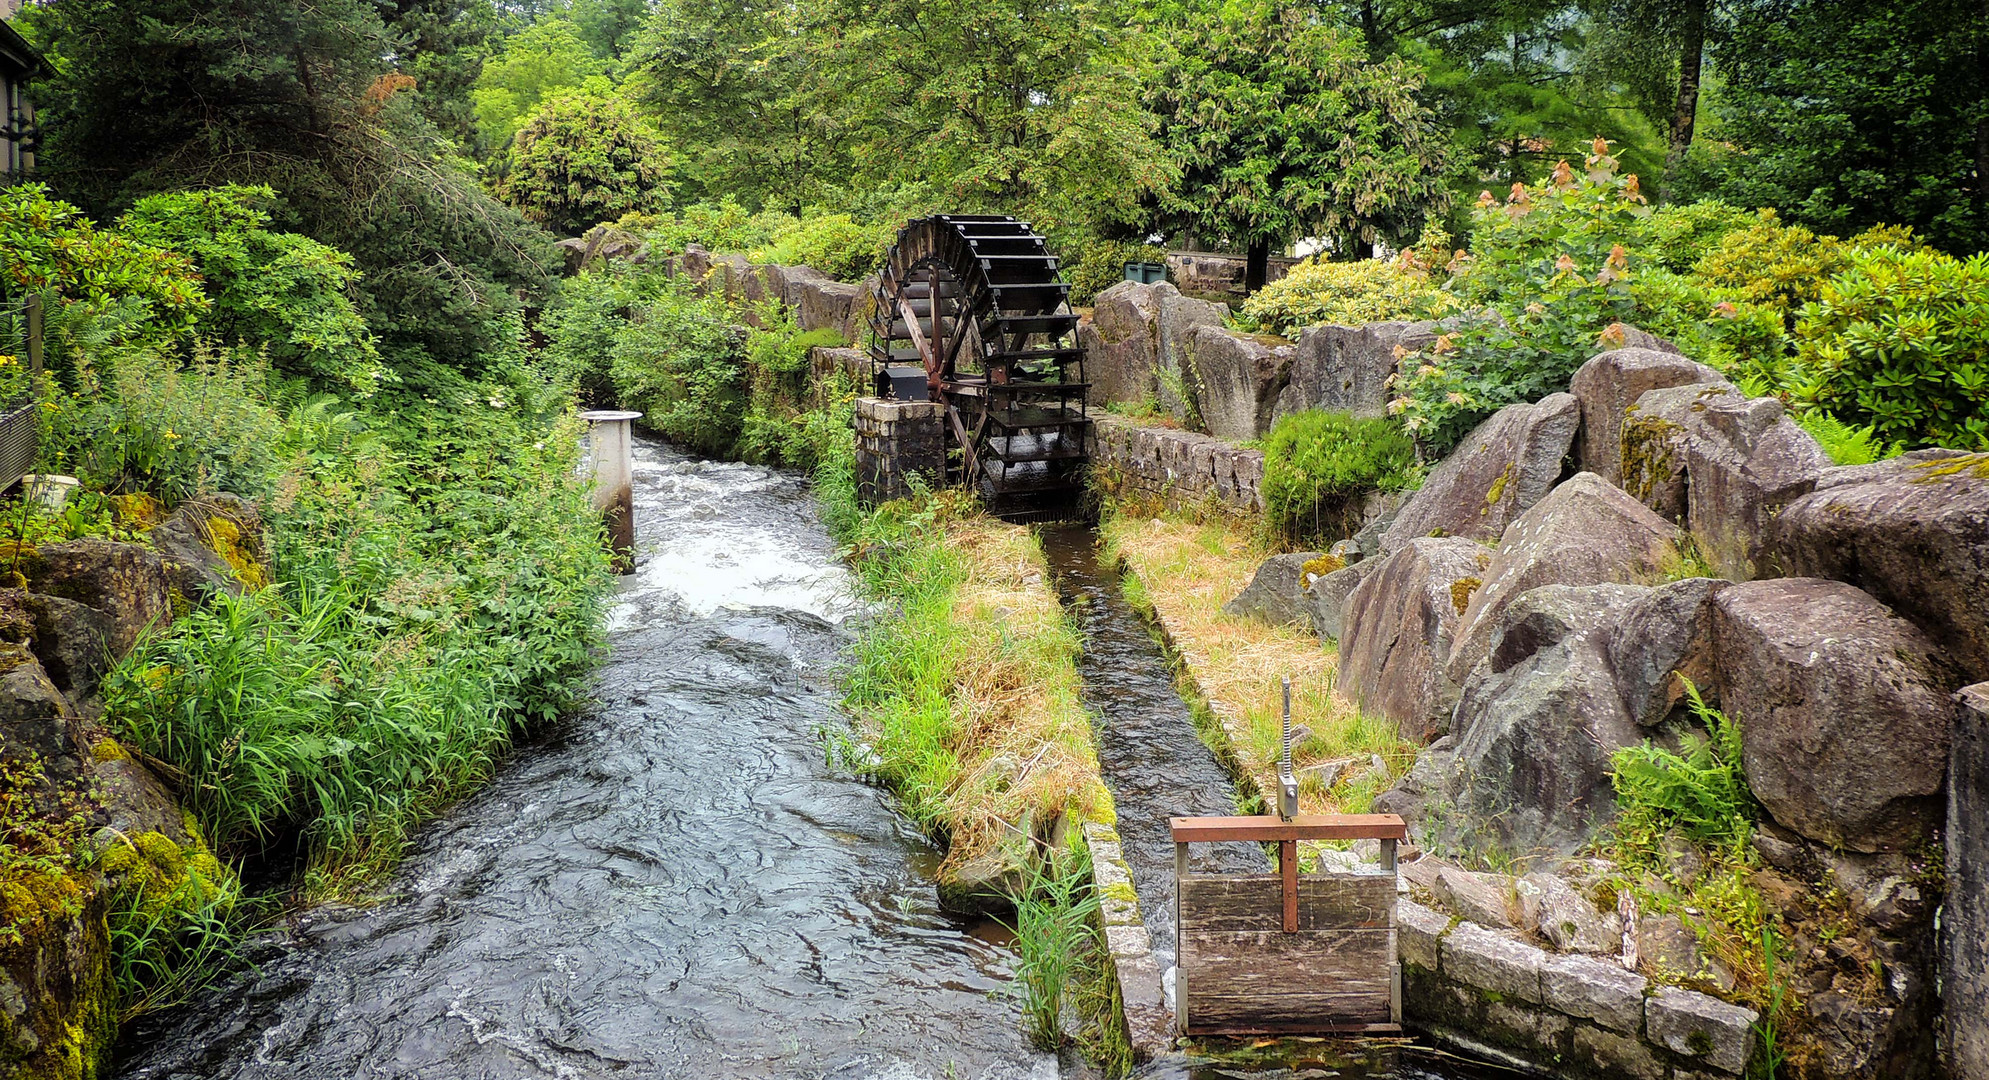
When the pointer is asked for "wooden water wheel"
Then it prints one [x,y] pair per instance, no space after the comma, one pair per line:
[974,301]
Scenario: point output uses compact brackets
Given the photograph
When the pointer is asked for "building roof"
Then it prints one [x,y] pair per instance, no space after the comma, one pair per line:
[18,58]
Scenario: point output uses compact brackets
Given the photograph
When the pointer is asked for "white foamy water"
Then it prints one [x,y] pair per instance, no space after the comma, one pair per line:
[697,551]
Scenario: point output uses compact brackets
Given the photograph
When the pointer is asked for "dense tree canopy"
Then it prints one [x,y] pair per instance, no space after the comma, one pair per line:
[1285,128]
[583,158]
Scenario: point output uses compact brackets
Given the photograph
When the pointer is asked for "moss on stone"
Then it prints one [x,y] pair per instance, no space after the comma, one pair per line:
[1498,489]
[108,749]
[1120,890]
[1323,565]
[224,535]
[1973,464]
[1649,455]
[1461,590]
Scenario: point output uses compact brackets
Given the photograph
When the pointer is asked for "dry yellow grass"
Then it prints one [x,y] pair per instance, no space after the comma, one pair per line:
[1186,570]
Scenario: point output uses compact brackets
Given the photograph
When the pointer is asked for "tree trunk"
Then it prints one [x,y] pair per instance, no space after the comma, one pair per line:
[1685,115]
[1257,266]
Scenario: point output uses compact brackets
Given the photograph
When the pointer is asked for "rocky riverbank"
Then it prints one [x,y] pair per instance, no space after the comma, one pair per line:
[97,844]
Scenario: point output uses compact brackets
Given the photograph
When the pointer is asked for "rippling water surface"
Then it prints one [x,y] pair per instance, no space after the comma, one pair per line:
[674,885]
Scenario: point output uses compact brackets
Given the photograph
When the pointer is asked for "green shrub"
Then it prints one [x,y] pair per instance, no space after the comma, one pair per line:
[1679,235]
[1316,461]
[1485,365]
[1092,266]
[47,246]
[683,364]
[1345,293]
[279,290]
[1779,266]
[587,316]
[832,243]
[1900,343]
[150,424]
[721,226]
[583,157]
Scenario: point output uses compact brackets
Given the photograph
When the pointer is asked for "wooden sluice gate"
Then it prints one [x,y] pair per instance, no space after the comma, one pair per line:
[1283,953]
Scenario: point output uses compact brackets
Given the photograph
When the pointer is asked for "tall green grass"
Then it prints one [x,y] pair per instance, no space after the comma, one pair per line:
[1055,935]
[439,580]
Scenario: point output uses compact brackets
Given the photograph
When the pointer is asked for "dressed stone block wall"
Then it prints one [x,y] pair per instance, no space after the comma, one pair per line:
[896,440]
[1182,468]
[1583,1015]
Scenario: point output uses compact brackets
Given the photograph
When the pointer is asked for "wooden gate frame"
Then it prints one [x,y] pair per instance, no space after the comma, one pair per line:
[1389,829]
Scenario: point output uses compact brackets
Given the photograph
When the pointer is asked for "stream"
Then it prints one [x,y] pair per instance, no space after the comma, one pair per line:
[675,883]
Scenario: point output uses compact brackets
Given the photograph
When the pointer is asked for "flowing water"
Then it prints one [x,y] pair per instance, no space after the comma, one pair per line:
[1155,764]
[676,885]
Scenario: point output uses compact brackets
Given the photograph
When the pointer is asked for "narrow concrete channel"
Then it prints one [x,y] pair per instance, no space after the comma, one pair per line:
[1148,752]
[1157,767]
[674,885]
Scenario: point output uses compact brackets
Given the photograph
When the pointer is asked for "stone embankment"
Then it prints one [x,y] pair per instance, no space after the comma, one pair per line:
[77,607]
[1545,599]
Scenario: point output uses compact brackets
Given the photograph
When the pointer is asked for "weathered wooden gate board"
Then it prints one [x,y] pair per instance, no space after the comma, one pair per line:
[1273,953]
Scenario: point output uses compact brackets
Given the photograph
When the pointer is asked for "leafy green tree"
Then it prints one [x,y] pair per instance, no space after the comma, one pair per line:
[1845,116]
[288,293]
[582,158]
[443,44]
[546,56]
[159,95]
[725,83]
[1011,105]
[1284,128]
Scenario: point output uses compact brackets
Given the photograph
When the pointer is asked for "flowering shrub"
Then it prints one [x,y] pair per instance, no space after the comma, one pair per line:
[1550,263]
[1345,293]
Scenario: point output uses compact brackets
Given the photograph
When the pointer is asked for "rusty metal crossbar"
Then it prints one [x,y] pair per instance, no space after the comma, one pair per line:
[1343,941]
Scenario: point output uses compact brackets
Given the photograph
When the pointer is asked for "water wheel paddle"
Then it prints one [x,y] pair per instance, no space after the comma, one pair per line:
[973,300]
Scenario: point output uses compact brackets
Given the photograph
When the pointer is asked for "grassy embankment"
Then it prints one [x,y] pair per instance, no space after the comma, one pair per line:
[1180,572]
[964,699]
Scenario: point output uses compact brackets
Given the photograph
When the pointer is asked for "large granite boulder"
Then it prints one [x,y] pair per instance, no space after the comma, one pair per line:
[1397,631]
[212,544]
[1526,769]
[1181,319]
[1504,466]
[1658,642]
[1324,599]
[1237,380]
[1913,532]
[72,642]
[600,244]
[1965,950]
[1720,462]
[1274,591]
[1609,384]
[36,720]
[1843,707]
[1584,532]
[1121,339]
[124,581]
[1652,440]
[822,304]
[1348,368]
